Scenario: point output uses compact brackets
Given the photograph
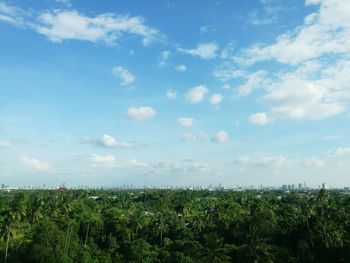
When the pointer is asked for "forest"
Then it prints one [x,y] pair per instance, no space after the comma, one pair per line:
[174,226]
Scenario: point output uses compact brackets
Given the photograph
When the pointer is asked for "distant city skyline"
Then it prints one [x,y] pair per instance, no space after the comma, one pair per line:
[175,93]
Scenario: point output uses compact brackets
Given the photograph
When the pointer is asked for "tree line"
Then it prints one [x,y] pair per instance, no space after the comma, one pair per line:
[174,226]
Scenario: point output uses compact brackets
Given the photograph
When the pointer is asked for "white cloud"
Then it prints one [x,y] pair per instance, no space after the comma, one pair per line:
[103,159]
[203,29]
[314,75]
[226,87]
[227,72]
[254,80]
[136,163]
[220,137]
[36,164]
[259,118]
[164,56]
[141,113]
[314,162]
[193,138]
[64,2]
[296,98]
[332,137]
[203,50]
[185,166]
[171,94]
[12,15]
[4,144]
[108,141]
[62,25]
[278,161]
[126,78]
[181,68]
[216,99]
[87,139]
[342,150]
[255,19]
[324,32]
[265,161]
[185,122]
[196,94]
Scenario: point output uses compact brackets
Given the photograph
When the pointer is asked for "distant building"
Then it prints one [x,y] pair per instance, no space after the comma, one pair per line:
[324,186]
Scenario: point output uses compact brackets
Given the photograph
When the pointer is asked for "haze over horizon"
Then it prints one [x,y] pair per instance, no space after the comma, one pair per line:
[175,93]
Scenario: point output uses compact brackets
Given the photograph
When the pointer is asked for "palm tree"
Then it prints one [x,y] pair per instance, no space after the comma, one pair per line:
[11,217]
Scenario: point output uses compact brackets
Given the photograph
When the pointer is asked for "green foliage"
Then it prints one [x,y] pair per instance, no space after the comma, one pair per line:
[174,226]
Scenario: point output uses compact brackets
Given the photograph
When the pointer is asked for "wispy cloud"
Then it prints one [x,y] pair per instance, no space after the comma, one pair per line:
[126,78]
[181,68]
[105,160]
[164,57]
[63,25]
[107,141]
[193,138]
[36,164]
[203,50]
[4,144]
[171,94]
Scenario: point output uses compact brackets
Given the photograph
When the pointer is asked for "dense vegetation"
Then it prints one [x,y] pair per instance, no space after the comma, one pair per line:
[174,226]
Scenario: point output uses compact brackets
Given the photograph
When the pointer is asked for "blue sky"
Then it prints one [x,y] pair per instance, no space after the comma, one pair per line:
[174,93]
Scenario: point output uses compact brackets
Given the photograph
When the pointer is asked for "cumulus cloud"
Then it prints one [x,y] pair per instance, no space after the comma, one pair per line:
[4,144]
[126,78]
[108,141]
[141,113]
[323,32]
[220,137]
[203,50]
[196,94]
[216,99]
[185,122]
[181,68]
[313,80]
[36,164]
[171,94]
[259,118]
[296,98]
